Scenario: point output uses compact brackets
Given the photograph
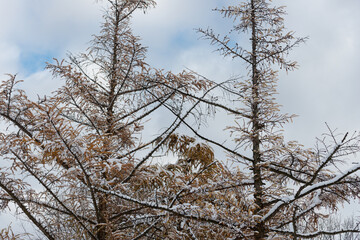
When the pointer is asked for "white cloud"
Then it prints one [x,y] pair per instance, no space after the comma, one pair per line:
[9,57]
[42,26]
[40,84]
[325,88]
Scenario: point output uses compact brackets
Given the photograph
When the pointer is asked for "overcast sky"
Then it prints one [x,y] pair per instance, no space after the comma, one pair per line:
[326,87]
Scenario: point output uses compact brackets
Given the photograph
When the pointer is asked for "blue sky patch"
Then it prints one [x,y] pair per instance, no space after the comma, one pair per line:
[32,62]
[184,39]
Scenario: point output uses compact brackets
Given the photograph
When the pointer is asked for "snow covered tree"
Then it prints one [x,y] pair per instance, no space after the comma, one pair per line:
[79,164]
[334,223]
[61,154]
[291,187]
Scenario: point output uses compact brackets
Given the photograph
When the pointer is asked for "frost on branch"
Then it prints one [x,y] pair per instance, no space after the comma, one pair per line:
[79,164]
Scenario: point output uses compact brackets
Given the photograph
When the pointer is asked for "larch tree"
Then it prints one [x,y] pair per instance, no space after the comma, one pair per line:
[291,187]
[79,165]
[333,223]
[63,153]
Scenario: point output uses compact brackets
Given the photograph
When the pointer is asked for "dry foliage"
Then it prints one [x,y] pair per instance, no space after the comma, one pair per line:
[78,164]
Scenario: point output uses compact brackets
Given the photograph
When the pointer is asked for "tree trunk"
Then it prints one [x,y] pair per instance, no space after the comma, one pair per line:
[258,183]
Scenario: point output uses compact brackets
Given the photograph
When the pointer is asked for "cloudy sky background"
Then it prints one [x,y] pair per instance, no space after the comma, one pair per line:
[326,87]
